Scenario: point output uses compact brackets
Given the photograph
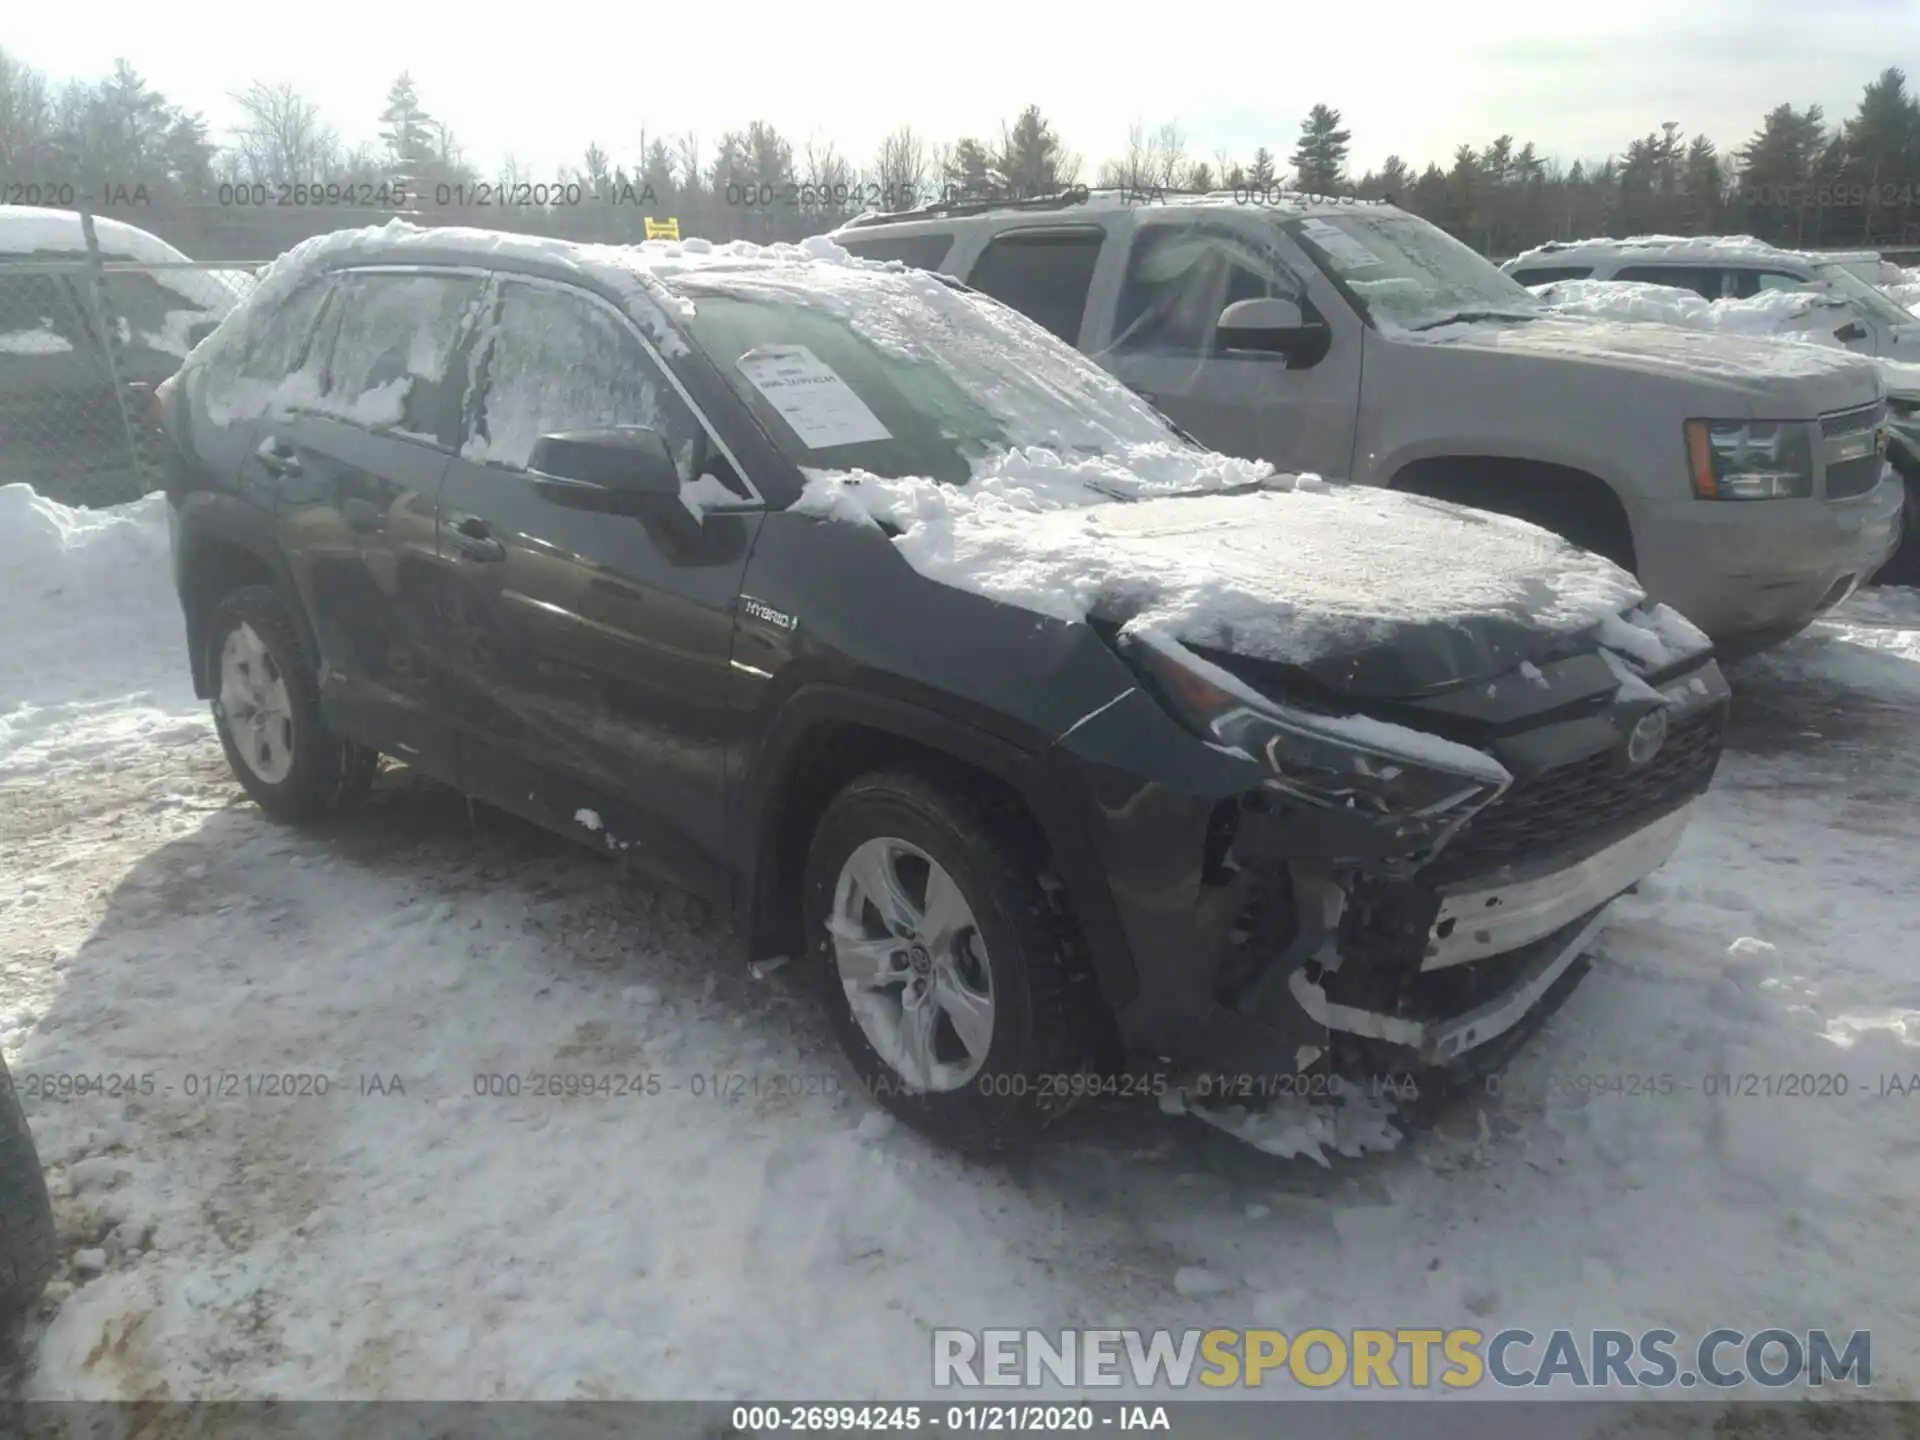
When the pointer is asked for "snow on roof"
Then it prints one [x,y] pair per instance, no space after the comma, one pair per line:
[27,229]
[33,230]
[1673,246]
[1291,204]
[640,274]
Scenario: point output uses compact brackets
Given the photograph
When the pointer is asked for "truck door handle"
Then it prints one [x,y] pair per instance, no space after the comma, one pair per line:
[474,538]
[277,456]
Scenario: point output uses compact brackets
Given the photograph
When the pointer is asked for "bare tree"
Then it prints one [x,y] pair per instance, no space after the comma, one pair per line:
[939,165]
[900,170]
[1169,157]
[825,178]
[282,140]
[1135,168]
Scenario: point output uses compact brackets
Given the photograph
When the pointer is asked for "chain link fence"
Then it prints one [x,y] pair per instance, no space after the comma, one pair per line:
[85,335]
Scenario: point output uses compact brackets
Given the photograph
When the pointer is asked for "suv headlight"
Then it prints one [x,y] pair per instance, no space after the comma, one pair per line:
[1750,459]
[1329,761]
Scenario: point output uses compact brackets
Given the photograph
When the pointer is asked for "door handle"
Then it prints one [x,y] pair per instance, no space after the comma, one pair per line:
[474,538]
[277,456]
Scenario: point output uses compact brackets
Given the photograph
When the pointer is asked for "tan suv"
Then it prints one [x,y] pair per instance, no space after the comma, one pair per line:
[1745,485]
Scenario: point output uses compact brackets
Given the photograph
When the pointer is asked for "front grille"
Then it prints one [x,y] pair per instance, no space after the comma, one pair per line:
[1854,477]
[1846,422]
[1558,808]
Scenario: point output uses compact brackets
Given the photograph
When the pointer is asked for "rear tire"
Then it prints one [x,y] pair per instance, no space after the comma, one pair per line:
[266,707]
[1010,954]
[29,1251]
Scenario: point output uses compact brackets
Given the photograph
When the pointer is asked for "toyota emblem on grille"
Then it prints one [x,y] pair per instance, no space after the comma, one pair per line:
[1646,738]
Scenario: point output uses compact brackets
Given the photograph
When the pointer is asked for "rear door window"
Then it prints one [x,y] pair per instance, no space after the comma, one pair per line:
[556,359]
[1044,274]
[40,316]
[1702,280]
[391,364]
[1551,274]
[922,252]
[1747,283]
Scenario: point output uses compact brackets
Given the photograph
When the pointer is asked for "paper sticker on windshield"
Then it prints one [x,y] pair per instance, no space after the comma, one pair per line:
[1340,245]
[811,397]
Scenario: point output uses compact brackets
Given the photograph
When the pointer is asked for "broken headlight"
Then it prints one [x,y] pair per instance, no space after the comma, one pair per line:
[1329,761]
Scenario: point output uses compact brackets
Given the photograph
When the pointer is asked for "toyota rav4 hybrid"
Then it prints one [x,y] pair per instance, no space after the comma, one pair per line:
[1741,480]
[1051,742]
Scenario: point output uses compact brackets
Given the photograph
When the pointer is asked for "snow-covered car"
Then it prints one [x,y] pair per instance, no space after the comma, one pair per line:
[1732,267]
[61,422]
[850,597]
[1355,340]
[1897,283]
[1800,316]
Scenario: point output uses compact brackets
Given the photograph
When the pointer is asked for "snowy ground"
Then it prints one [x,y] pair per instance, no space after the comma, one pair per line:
[439,1243]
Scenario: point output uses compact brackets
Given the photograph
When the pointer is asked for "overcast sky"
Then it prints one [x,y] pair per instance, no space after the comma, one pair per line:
[538,83]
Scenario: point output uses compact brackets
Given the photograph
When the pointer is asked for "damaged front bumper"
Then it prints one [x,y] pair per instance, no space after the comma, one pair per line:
[1255,957]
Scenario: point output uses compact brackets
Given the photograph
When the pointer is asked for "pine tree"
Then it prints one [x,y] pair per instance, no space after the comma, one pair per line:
[1320,159]
[1260,175]
[409,133]
[970,168]
[1029,159]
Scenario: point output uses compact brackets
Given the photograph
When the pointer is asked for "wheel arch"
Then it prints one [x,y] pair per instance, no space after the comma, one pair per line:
[826,735]
[1570,500]
[220,552]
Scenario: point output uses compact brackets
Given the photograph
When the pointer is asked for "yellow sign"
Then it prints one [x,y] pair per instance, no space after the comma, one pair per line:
[668,229]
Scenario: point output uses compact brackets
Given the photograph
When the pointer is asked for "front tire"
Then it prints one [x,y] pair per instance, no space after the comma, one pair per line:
[266,707]
[29,1250]
[950,973]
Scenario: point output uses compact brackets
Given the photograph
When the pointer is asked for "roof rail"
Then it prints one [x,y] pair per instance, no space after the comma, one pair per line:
[1074,195]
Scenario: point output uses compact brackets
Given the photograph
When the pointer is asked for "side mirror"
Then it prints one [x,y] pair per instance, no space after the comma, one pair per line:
[1271,325]
[620,470]
[1851,331]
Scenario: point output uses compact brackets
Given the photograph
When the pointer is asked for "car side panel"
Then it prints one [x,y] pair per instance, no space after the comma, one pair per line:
[357,523]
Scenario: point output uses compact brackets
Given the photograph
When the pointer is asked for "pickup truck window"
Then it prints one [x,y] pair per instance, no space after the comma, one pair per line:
[1704,280]
[1178,281]
[1402,273]
[1045,275]
[1551,274]
[922,252]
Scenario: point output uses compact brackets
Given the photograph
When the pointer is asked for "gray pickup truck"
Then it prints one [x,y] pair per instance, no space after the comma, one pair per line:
[1743,481]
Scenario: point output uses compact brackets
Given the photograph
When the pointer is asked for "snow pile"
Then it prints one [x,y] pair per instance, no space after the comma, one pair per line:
[1907,291]
[91,613]
[1280,572]
[1808,315]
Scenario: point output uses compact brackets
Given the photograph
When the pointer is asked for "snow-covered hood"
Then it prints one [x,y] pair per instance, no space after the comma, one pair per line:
[1784,378]
[1368,592]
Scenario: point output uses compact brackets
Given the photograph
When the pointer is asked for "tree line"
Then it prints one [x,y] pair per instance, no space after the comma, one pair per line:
[1799,179]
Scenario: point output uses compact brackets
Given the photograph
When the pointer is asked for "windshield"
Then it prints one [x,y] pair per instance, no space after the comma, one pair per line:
[1404,273]
[901,375]
[1870,301]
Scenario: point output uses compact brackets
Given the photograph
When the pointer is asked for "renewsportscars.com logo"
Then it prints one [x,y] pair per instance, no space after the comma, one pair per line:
[1401,1358]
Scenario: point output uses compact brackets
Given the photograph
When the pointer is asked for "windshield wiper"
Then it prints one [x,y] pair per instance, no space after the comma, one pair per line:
[1468,317]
